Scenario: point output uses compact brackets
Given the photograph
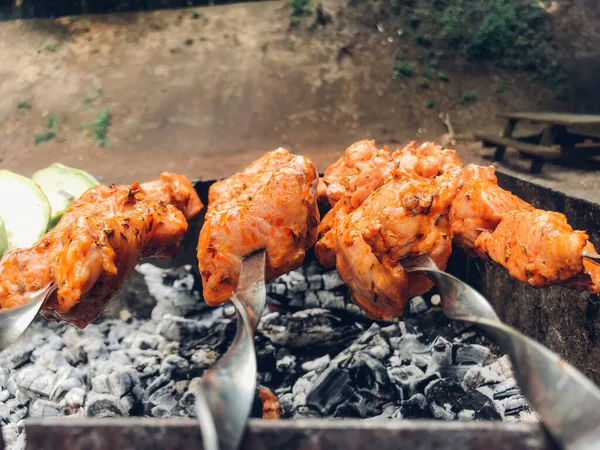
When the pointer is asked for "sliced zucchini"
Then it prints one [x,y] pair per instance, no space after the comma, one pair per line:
[3,238]
[24,208]
[62,185]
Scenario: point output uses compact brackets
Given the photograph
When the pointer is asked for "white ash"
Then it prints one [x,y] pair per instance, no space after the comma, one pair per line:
[316,350]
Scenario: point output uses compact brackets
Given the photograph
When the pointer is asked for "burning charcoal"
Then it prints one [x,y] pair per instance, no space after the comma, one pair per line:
[172,290]
[157,383]
[123,382]
[204,358]
[36,381]
[10,433]
[505,389]
[379,347]
[471,354]
[102,405]
[406,378]
[4,414]
[100,384]
[164,402]
[286,364]
[304,328]
[466,414]
[447,399]
[417,305]
[331,391]
[369,375]
[16,355]
[295,282]
[316,364]
[145,341]
[146,366]
[512,405]
[306,412]
[51,359]
[4,395]
[315,281]
[73,401]
[175,366]
[44,408]
[331,280]
[311,300]
[4,377]
[496,372]
[416,407]
[18,411]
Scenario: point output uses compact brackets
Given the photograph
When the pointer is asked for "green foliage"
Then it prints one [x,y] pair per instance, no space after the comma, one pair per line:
[23,104]
[430,104]
[100,127]
[468,97]
[300,9]
[48,47]
[443,76]
[512,34]
[403,69]
[502,84]
[424,82]
[50,132]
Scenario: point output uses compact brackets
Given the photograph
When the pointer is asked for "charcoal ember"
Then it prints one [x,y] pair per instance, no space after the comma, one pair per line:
[51,359]
[204,358]
[4,395]
[157,383]
[379,347]
[317,364]
[313,327]
[315,281]
[164,402]
[193,335]
[470,354]
[173,291]
[307,412]
[286,363]
[506,388]
[44,408]
[187,403]
[369,375]
[286,403]
[144,341]
[447,399]
[18,411]
[36,381]
[17,355]
[331,280]
[174,366]
[5,375]
[330,391]
[295,281]
[416,407]
[360,405]
[103,405]
[123,382]
[512,405]
[417,305]
[73,401]
[497,372]
[10,434]
[407,379]
[4,414]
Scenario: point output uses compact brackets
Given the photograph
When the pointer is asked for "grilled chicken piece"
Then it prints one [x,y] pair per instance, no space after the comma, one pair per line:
[480,205]
[356,174]
[353,178]
[427,160]
[407,215]
[270,207]
[540,248]
[95,246]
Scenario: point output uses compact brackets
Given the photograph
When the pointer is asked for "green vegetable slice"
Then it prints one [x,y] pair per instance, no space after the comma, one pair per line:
[24,209]
[62,185]
[3,238]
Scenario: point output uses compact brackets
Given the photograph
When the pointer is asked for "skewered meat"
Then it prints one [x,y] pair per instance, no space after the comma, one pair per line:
[540,248]
[407,215]
[271,205]
[95,246]
[427,160]
[352,179]
[479,205]
[357,174]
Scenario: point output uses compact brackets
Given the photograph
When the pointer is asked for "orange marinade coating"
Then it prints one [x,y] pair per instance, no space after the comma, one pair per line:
[276,210]
[480,205]
[407,215]
[428,159]
[357,173]
[536,246]
[95,246]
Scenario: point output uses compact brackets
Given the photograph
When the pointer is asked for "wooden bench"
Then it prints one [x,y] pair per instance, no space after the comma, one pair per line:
[538,153]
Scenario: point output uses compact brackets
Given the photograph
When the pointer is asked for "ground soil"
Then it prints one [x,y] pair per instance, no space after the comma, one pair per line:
[206,93]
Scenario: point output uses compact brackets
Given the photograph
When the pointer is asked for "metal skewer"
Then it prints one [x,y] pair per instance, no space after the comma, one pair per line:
[567,402]
[591,257]
[226,392]
[14,321]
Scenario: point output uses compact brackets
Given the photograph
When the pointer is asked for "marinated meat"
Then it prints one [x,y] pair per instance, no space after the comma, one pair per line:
[427,160]
[480,205]
[538,247]
[407,215]
[270,206]
[95,246]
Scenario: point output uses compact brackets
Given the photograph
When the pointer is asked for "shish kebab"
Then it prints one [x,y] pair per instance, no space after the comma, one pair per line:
[384,206]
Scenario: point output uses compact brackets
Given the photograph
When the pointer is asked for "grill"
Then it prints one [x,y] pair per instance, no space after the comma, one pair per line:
[316,351]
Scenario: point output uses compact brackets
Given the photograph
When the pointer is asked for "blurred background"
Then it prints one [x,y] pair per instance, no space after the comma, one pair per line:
[127,88]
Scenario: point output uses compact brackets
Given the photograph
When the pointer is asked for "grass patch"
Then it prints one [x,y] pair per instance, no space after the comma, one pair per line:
[443,76]
[510,34]
[468,97]
[48,47]
[50,132]
[300,10]
[430,104]
[403,69]
[100,126]
[24,104]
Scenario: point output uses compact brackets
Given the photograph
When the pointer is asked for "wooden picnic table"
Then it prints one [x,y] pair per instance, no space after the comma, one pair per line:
[556,141]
